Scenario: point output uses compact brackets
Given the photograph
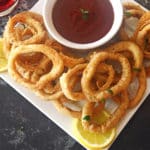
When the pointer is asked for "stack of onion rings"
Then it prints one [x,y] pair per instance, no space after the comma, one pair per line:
[56,73]
[90,70]
[46,78]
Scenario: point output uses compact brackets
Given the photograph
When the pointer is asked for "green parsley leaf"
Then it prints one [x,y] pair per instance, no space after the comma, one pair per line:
[110,91]
[87,118]
[136,69]
[127,14]
[85,14]
[103,100]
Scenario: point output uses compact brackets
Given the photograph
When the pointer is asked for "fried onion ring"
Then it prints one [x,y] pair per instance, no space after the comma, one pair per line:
[130,10]
[111,122]
[133,48]
[31,69]
[141,76]
[130,5]
[51,54]
[133,9]
[141,35]
[104,82]
[60,105]
[24,28]
[93,95]
[65,83]
[69,60]
[49,91]
[66,79]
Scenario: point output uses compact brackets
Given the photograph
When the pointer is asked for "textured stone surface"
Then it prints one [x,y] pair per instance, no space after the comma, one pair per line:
[23,127]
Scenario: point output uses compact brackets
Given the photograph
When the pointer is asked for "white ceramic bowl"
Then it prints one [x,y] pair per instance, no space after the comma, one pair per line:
[118,17]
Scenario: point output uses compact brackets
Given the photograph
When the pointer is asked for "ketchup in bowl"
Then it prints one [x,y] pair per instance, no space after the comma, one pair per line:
[5,4]
[83,21]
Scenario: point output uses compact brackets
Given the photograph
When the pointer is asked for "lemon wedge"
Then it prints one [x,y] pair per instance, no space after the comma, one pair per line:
[3,60]
[90,140]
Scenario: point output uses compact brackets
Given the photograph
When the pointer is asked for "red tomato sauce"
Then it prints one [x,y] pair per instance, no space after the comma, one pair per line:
[5,4]
[83,21]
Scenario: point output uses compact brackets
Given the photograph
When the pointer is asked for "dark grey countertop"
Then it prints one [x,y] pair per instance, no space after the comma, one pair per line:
[23,127]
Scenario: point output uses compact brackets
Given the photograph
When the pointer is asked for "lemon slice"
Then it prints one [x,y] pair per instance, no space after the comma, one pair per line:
[3,60]
[90,140]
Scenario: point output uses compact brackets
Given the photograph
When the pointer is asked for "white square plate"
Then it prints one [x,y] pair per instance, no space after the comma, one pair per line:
[49,110]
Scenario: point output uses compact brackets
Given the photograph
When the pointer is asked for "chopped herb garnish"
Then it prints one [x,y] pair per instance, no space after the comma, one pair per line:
[87,118]
[85,14]
[137,69]
[110,91]
[127,14]
[103,100]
